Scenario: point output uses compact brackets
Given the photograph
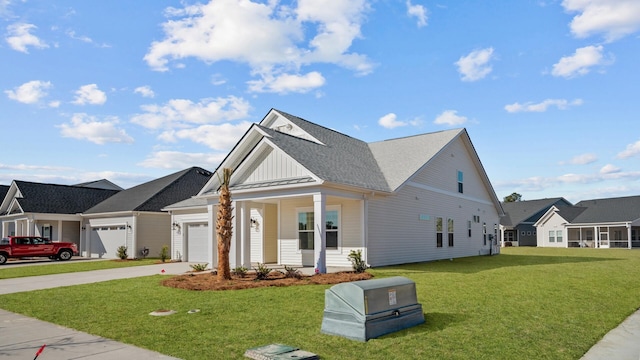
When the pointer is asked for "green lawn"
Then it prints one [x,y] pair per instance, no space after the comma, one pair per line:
[527,303]
[8,271]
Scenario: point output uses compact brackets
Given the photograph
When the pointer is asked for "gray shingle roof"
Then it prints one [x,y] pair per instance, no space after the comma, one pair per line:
[59,199]
[609,210]
[518,212]
[342,160]
[156,194]
[4,189]
[400,158]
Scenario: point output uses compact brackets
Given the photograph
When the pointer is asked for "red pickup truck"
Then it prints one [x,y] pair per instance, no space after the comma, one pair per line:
[35,246]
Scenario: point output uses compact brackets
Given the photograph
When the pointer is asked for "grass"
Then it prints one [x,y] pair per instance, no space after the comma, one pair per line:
[8,272]
[526,303]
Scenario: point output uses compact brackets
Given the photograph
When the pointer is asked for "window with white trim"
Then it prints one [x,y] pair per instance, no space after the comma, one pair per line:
[450,231]
[552,236]
[439,232]
[460,179]
[559,236]
[306,234]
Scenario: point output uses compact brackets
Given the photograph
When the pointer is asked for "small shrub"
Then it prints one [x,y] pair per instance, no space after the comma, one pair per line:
[122,252]
[262,272]
[357,262]
[290,272]
[508,243]
[199,267]
[240,271]
[164,253]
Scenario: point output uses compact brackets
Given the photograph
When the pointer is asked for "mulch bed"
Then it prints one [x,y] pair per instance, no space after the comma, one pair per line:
[209,281]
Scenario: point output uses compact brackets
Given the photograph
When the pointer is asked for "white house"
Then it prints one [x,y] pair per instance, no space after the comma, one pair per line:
[598,223]
[305,195]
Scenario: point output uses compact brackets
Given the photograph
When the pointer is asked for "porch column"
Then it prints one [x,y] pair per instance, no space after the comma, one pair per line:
[212,242]
[245,227]
[629,234]
[319,233]
[235,251]
[596,236]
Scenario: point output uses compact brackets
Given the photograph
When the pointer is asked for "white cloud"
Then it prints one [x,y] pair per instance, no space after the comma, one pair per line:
[609,169]
[475,66]
[181,112]
[583,159]
[450,118]
[390,121]
[273,39]
[54,104]
[90,94]
[30,92]
[145,91]
[218,137]
[630,151]
[580,62]
[85,127]
[181,160]
[19,37]
[561,104]
[419,12]
[612,18]
[285,83]
[72,34]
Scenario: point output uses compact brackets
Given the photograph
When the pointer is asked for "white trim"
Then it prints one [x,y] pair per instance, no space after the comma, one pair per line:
[449,193]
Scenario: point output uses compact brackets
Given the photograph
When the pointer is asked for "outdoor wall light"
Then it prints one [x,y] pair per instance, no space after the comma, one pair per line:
[175,226]
[254,223]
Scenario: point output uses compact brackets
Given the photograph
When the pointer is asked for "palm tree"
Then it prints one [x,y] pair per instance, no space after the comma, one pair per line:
[224,226]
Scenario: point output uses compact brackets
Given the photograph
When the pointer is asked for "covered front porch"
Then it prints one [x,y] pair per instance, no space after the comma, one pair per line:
[56,227]
[314,230]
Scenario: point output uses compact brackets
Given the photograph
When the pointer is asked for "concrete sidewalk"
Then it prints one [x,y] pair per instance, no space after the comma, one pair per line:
[621,343]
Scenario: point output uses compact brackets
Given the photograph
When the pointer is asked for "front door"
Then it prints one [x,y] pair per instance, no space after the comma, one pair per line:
[604,240]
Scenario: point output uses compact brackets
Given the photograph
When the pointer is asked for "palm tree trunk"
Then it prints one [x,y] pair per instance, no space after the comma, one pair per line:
[224,226]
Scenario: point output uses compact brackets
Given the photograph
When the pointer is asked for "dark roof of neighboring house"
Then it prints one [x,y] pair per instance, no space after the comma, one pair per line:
[529,211]
[608,210]
[100,184]
[58,199]
[156,194]
[4,189]
[570,213]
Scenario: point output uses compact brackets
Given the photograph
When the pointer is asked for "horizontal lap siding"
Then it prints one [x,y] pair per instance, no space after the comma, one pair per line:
[402,227]
[350,230]
[153,231]
[553,224]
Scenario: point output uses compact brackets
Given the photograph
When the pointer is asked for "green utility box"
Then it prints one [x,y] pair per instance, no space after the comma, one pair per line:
[363,310]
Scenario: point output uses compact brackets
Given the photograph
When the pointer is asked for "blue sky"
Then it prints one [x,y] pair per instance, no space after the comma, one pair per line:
[134,90]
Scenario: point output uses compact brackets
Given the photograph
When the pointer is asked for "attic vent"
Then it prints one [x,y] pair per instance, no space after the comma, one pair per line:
[284,128]
[203,172]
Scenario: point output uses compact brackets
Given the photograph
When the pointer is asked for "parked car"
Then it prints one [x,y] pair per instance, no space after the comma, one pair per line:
[35,246]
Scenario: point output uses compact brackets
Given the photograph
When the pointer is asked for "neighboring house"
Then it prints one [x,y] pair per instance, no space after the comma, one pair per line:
[134,217]
[517,227]
[599,223]
[306,195]
[49,210]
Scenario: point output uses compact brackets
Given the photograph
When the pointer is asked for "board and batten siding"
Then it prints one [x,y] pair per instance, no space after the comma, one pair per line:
[350,230]
[273,165]
[402,226]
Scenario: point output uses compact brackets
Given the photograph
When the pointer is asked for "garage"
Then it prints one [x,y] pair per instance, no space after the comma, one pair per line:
[197,243]
[106,240]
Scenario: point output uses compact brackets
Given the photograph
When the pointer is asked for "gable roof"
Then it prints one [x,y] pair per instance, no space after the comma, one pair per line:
[529,211]
[156,194]
[4,189]
[609,210]
[388,153]
[56,199]
[335,158]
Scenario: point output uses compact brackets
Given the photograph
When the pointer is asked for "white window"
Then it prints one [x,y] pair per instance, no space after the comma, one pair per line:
[552,236]
[460,186]
[305,229]
[450,231]
[559,236]
[439,232]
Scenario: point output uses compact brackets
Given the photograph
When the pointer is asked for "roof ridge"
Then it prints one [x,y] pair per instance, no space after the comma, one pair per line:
[179,175]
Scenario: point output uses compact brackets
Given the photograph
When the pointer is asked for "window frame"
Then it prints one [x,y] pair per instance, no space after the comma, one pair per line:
[439,231]
[450,232]
[328,208]
[552,236]
[460,182]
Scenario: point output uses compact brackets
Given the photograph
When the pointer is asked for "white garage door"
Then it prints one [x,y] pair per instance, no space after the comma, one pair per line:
[105,241]
[197,240]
